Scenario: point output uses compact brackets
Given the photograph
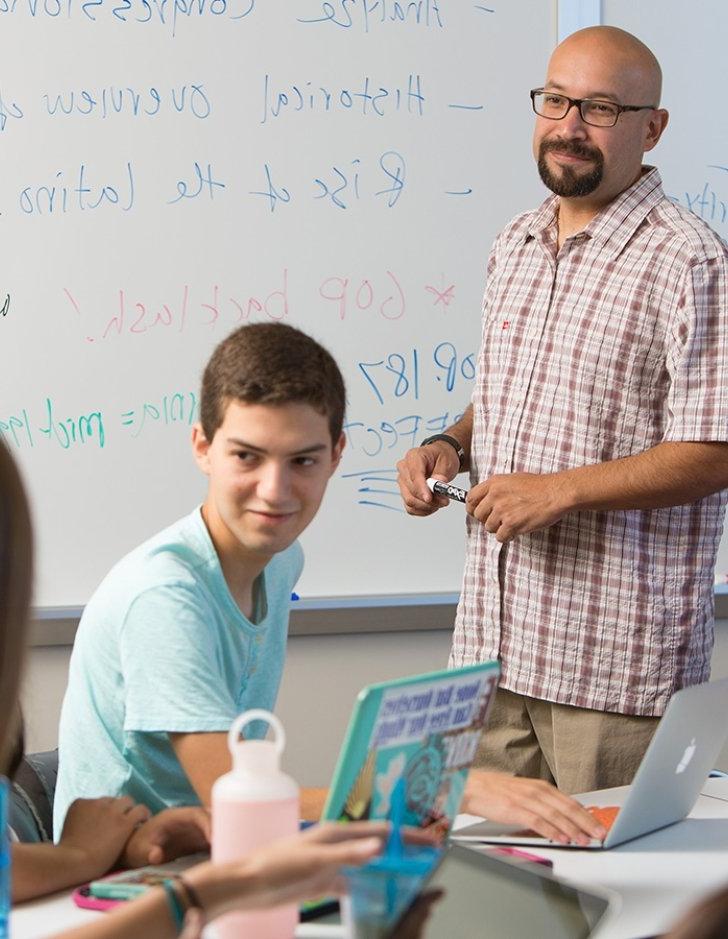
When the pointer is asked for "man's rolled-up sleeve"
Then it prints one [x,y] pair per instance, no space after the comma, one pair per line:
[697,402]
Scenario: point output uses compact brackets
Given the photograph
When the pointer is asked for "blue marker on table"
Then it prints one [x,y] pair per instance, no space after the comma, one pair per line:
[445,489]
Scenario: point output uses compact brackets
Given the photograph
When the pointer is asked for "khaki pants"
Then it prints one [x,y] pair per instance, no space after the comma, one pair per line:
[576,748]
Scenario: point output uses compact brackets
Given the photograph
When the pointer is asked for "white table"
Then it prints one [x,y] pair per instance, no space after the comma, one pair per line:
[51,915]
[657,876]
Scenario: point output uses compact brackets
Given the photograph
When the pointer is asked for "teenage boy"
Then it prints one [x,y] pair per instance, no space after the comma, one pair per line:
[190,628]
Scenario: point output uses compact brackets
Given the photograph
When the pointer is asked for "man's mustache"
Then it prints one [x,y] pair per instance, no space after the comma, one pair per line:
[572,148]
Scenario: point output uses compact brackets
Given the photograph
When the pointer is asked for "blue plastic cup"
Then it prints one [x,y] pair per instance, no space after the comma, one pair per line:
[382,890]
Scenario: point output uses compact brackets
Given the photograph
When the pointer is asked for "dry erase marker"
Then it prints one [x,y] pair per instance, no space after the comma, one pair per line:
[445,489]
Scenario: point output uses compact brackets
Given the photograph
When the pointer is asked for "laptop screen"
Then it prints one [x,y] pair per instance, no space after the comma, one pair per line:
[421,731]
[475,894]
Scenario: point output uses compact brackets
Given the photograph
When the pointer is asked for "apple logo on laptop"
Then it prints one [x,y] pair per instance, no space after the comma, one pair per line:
[686,757]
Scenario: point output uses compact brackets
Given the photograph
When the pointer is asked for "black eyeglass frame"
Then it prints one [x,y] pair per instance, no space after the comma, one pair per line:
[577,103]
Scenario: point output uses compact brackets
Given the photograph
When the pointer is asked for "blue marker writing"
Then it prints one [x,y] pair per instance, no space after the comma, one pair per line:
[445,489]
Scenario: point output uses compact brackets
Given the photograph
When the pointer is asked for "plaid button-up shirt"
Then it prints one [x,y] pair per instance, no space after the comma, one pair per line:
[611,345]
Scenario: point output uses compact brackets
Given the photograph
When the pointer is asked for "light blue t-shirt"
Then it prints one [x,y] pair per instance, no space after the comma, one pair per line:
[162,647]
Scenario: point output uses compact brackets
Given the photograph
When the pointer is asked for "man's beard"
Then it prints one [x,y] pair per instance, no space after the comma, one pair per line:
[570,183]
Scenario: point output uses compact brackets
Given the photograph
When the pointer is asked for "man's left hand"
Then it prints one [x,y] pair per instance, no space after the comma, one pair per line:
[514,504]
[169,835]
[530,803]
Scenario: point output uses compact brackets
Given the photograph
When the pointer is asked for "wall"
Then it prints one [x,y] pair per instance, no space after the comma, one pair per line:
[315,721]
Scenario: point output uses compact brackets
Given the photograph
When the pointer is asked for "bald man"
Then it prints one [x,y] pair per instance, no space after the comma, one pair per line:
[596,436]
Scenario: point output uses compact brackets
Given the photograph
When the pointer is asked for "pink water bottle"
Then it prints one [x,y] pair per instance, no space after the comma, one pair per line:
[252,805]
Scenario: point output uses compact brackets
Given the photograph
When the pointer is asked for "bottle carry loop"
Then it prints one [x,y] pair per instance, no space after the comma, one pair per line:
[257,714]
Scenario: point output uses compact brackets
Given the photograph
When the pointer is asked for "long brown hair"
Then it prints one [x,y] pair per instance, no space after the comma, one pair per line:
[16,556]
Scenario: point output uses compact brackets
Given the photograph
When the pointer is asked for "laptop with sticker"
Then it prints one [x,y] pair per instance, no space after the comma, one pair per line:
[424,730]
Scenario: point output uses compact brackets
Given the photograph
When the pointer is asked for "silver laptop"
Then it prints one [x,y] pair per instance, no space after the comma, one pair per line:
[669,780]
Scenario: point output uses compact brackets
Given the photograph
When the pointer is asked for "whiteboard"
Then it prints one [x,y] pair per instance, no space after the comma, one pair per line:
[689,41]
[172,168]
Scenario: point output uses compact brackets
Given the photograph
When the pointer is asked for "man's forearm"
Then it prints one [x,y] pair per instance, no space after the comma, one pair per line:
[668,474]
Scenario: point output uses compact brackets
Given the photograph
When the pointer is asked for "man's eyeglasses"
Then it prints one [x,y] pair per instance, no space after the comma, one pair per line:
[593,111]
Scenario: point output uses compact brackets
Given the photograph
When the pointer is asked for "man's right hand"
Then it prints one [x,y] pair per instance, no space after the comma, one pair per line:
[437,459]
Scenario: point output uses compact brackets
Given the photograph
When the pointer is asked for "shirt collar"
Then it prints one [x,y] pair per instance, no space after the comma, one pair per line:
[613,227]
[544,217]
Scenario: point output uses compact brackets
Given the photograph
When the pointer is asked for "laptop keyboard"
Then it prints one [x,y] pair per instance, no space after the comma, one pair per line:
[604,814]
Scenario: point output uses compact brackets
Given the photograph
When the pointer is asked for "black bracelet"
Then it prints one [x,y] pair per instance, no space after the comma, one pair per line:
[455,444]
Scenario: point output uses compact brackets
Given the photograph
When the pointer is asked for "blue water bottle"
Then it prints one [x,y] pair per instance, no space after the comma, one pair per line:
[4,860]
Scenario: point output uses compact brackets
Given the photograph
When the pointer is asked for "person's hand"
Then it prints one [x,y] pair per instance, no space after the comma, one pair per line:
[309,864]
[529,803]
[517,503]
[170,834]
[95,832]
[303,867]
[438,460]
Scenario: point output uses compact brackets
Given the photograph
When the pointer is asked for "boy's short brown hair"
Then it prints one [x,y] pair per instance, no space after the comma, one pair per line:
[271,363]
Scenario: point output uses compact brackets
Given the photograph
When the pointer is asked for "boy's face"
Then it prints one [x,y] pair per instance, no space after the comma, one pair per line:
[268,466]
